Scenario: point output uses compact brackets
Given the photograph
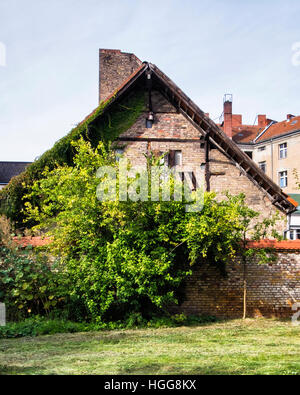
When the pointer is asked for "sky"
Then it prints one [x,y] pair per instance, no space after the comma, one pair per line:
[49,59]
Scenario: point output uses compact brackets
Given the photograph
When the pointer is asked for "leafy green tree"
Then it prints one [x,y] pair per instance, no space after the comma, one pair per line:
[130,257]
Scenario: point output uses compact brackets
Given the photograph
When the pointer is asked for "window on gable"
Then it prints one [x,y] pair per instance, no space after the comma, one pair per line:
[178,158]
[119,152]
[282,151]
[175,158]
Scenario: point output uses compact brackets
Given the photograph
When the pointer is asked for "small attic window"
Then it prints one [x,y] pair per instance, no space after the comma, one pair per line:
[294,122]
[263,148]
[149,120]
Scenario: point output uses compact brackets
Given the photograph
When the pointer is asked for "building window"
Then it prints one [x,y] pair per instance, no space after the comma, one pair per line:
[295,234]
[119,152]
[283,179]
[178,158]
[282,151]
[175,158]
[262,148]
[249,153]
[263,166]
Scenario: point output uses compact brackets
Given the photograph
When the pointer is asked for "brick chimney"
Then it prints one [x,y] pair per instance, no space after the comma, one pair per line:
[237,120]
[262,121]
[228,115]
[114,68]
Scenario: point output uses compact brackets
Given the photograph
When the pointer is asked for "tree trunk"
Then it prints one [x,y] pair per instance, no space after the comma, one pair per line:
[245,288]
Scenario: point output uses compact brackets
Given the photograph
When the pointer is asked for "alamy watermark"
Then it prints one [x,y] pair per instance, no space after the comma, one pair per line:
[2,314]
[154,183]
[2,54]
[296,54]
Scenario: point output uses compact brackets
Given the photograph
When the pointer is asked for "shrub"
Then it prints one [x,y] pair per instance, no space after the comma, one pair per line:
[29,283]
[37,326]
[40,326]
[129,257]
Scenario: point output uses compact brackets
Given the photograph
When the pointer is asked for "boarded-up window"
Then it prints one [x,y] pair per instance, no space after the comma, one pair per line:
[175,158]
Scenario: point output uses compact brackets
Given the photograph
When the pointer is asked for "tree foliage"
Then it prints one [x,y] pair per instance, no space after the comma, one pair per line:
[124,256]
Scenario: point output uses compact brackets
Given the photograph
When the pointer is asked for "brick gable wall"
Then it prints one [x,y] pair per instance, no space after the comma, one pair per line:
[273,288]
[175,132]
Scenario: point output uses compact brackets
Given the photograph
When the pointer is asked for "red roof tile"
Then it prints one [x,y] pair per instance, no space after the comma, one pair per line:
[288,245]
[281,128]
[296,204]
[245,133]
[277,245]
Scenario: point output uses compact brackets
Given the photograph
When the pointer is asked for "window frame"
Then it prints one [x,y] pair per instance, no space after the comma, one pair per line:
[172,158]
[263,166]
[262,148]
[281,176]
[282,150]
[119,152]
[293,233]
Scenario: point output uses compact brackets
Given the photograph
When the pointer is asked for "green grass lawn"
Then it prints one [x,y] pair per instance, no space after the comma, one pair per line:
[233,347]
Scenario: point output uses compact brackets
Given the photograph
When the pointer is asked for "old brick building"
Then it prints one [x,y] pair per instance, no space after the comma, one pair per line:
[171,122]
[179,126]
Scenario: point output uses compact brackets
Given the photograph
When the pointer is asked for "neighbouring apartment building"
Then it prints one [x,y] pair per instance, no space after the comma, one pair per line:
[274,147]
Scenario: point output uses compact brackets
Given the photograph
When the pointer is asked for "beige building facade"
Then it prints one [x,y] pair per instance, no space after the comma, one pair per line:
[279,158]
[275,148]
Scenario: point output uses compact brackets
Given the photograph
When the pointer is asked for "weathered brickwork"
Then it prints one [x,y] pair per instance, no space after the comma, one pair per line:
[170,125]
[115,68]
[273,288]
[271,291]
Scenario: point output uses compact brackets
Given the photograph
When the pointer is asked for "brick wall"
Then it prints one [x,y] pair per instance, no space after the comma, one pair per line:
[272,289]
[114,68]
